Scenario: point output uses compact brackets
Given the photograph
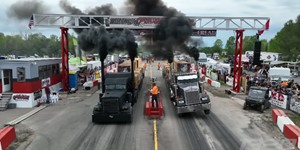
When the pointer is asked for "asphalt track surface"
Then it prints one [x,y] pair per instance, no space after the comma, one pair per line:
[69,127]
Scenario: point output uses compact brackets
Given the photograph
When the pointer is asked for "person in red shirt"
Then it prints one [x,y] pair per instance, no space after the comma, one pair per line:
[47,91]
[158,66]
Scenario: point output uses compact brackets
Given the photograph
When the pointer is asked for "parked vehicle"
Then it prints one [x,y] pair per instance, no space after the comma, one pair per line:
[258,97]
[279,73]
[202,58]
[121,92]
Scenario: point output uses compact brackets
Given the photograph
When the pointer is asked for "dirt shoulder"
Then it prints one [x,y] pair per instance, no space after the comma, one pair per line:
[263,121]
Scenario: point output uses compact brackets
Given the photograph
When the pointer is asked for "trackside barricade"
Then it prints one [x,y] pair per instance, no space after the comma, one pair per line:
[283,120]
[276,113]
[292,132]
[153,111]
[7,136]
[286,126]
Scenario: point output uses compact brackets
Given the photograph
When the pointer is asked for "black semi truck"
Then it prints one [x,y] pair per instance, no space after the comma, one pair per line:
[116,103]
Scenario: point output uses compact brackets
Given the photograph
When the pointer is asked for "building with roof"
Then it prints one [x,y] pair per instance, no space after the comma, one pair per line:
[26,78]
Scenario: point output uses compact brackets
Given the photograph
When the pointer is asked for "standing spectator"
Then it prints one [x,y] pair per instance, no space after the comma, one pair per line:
[47,91]
[154,93]
[145,66]
[158,66]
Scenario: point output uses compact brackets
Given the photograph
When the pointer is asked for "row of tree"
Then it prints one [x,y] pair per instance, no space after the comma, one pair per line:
[286,42]
[248,45]
[29,45]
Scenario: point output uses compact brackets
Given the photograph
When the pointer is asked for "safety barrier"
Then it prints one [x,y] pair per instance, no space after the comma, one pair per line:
[287,126]
[276,113]
[292,132]
[211,82]
[282,121]
[7,136]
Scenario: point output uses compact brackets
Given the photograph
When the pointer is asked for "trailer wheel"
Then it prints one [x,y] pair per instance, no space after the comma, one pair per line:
[131,115]
[245,106]
[262,108]
[207,112]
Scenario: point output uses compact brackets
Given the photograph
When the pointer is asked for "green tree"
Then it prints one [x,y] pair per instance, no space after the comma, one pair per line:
[287,40]
[264,45]
[218,46]
[248,43]
[230,45]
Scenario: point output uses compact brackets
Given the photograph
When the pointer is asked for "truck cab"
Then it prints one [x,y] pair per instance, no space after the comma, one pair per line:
[115,105]
[188,94]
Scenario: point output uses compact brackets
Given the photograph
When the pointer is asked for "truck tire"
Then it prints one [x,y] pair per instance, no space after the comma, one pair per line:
[207,111]
[245,106]
[131,115]
[262,108]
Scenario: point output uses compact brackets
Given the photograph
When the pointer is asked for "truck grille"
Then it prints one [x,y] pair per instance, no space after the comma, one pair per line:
[110,106]
[192,97]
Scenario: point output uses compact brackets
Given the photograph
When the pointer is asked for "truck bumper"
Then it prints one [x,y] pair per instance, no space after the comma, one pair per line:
[193,108]
[111,118]
[101,117]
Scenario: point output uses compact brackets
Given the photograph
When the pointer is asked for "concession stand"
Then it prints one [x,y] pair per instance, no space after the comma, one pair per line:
[25,79]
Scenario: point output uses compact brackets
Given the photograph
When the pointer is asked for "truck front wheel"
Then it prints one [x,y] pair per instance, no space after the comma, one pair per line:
[262,108]
[207,112]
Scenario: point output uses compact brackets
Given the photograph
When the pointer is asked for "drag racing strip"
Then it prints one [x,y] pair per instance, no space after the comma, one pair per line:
[154,121]
[155,135]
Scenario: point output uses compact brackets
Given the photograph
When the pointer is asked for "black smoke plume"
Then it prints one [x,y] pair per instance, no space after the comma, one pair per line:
[146,7]
[106,9]
[22,10]
[194,52]
[68,8]
[171,32]
[99,39]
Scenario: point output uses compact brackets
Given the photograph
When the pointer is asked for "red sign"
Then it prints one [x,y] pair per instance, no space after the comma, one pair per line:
[277,96]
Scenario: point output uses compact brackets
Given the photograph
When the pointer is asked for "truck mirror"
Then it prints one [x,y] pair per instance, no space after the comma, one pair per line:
[100,95]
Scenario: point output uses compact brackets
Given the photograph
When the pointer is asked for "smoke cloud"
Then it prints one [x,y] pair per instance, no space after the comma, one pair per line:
[106,9]
[103,41]
[22,10]
[68,8]
[171,32]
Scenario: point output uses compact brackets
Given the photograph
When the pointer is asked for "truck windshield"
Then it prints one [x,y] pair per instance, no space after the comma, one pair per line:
[188,81]
[110,87]
[257,93]
[120,87]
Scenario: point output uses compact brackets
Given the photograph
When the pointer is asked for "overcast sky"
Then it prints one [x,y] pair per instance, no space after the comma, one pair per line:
[280,11]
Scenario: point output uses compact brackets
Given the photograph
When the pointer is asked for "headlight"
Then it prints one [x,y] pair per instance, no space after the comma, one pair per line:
[204,98]
[181,102]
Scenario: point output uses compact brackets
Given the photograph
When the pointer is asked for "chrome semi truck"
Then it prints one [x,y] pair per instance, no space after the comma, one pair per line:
[185,89]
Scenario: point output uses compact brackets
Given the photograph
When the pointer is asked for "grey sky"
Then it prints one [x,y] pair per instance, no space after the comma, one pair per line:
[280,11]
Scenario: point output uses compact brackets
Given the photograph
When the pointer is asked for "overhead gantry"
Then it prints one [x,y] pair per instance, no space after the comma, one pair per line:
[202,26]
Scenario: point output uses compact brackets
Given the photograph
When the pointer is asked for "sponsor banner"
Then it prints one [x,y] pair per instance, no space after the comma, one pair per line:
[37,94]
[278,99]
[140,22]
[23,100]
[184,68]
[204,33]
[193,68]
[21,97]
[45,82]
[114,68]
[295,105]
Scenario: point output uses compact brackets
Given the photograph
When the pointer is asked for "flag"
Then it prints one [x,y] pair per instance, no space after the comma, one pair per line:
[267,25]
[31,22]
